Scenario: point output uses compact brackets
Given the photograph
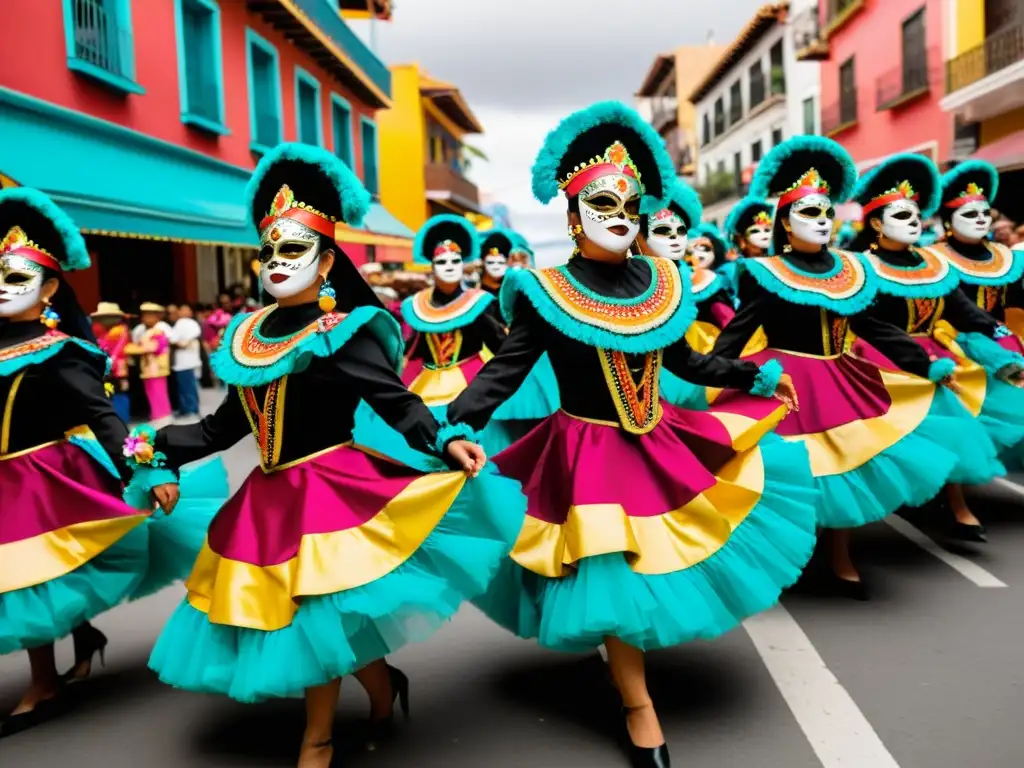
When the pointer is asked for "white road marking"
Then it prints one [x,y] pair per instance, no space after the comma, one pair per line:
[969,570]
[832,722]
[1009,485]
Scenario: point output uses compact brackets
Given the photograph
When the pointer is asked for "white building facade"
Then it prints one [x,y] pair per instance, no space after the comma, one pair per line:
[757,96]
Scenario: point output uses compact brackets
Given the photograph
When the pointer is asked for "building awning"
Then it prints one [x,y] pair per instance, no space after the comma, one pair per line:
[1005,154]
[118,182]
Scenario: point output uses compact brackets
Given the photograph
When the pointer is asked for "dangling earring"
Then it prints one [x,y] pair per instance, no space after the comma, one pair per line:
[575,232]
[787,248]
[327,297]
[49,318]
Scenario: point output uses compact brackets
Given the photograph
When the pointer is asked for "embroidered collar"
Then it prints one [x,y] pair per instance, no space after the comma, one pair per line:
[423,316]
[39,349]
[1002,267]
[654,320]
[933,278]
[246,358]
[705,283]
[847,288]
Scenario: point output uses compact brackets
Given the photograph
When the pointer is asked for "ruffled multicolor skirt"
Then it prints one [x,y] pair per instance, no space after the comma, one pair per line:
[70,549]
[878,439]
[535,399]
[314,570]
[660,539]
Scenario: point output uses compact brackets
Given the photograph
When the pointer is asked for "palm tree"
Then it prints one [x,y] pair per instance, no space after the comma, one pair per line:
[468,153]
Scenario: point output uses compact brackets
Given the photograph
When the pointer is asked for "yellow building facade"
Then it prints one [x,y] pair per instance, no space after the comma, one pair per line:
[985,77]
[423,158]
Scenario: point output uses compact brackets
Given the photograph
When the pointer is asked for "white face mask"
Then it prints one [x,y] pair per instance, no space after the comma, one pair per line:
[289,258]
[811,218]
[495,265]
[759,236]
[666,235]
[702,253]
[972,221]
[901,222]
[21,285]
[448,265]
[610,203]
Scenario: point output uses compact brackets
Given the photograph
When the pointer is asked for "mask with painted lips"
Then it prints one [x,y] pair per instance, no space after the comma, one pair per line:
[448,265]
[972,222]
[495,265]
[610,211]
[667,236]
[21,285]
[811,219]
[901,222]
[702,253]
[289,258]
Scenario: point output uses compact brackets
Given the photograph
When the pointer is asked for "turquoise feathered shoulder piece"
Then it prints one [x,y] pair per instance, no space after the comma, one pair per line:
[40,349]
[656,319]
[847,288]
[423,317]
[246,358]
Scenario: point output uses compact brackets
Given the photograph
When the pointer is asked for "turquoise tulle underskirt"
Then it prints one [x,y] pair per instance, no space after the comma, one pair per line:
[679,392]
[947,446]
[148,558]
[337,634]
[604,597]
[1002,416]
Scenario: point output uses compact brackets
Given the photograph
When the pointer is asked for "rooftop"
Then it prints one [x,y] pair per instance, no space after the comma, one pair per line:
[766,17]
[448,99]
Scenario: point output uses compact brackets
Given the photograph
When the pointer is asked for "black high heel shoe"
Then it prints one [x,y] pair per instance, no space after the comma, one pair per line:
[43,711]
[88,642]
[968,532]
[379,730]
[852,590]
[642,757]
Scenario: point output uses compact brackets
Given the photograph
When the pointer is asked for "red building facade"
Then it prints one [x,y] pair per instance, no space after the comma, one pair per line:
[882,77]
[144,118]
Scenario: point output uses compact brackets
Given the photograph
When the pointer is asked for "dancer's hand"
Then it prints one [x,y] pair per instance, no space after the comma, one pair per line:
[950,383]
[786,392]
[166,496]
[470,456]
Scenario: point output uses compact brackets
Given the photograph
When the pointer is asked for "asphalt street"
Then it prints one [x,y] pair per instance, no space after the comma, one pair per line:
[925,675]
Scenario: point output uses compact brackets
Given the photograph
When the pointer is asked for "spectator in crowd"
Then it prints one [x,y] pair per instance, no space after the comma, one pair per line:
[112,335]
[1003,231]
[185,339]
[151,346]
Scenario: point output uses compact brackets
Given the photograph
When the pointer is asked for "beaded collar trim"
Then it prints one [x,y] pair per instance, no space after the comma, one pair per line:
[252,350]
[37,344]
[628,317]
[463,306]
[932,271]
[1003,264]
[844,281]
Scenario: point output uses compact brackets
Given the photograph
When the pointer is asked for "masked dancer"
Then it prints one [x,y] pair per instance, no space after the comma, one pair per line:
[328,558]
[622,486]
[69,547]
[521,255]
[919,292]
[874,444]
[495,246]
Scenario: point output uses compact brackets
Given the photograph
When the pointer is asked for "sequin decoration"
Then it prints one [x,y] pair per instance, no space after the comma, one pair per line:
[445,348]
[425,310]
[637,405]
[266,421]
[650,311]
[999,263]
[847,282]
[840,325]
[933,269]
[32,345]
[254,351]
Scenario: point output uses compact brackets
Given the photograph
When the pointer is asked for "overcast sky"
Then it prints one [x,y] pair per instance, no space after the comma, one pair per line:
[524,65]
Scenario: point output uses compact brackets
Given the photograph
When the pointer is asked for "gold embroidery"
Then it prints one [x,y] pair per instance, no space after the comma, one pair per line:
[5,429]
[266,422]
[445,348]
[922,314]
[637,405]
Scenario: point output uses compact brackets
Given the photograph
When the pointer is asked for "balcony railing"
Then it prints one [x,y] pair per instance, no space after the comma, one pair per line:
[444,178]
[839,114]
[99,39]
[999,51]
[836,14]
[900,84]
[664,111]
